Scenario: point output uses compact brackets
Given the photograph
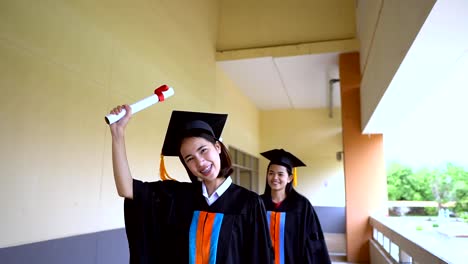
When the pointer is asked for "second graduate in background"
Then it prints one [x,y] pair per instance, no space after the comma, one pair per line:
[295,229]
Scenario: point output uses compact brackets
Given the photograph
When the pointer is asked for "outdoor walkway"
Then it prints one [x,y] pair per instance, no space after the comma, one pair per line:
[441,241]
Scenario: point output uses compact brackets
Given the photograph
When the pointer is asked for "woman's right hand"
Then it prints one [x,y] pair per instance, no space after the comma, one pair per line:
[118,128]
[122,175]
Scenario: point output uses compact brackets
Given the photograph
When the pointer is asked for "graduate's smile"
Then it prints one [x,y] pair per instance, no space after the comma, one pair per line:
[275,182]
[206,171]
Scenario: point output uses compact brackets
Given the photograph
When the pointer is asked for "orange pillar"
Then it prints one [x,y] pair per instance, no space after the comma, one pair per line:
[364,165]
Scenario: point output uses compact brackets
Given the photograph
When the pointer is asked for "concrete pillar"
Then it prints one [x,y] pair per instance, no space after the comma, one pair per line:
[364,165]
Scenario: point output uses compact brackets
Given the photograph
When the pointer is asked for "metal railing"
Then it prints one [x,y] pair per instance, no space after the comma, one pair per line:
[396,240]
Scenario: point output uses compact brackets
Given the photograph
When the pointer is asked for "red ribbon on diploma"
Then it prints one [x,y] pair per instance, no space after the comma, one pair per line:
[159,92]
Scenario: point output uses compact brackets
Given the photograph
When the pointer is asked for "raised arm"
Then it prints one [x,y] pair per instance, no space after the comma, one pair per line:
[122,175]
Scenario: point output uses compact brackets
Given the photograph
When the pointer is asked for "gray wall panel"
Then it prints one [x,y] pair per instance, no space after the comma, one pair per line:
[111,246]
[102,247]
[332,219]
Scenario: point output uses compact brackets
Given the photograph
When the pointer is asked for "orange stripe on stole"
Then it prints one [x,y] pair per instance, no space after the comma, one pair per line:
[275,234]
[204,230]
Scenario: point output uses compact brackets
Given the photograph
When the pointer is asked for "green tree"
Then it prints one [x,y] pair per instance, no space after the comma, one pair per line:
[421,184]
[462,201]
[459,179]
[397,176]
[404,185]
[441,185]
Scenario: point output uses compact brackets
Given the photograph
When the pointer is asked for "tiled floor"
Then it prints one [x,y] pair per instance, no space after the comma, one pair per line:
[336,244]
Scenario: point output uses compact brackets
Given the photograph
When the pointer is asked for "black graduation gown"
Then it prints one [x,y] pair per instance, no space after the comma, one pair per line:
[297,229]
[166,221]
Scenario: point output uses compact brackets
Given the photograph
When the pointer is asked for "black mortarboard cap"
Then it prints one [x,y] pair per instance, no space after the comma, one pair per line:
[282,157]
[182,121]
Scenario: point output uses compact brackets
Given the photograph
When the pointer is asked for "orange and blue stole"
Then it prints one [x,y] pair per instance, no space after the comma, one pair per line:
[203,237]
[276,221]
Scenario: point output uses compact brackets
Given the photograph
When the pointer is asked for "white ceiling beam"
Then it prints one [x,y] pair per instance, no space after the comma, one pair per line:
[341,46]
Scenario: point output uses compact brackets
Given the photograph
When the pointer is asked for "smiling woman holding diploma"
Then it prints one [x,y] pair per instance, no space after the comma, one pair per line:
[210,220]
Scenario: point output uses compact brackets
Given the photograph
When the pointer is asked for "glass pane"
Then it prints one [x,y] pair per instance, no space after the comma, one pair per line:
[255,183]
[245,169]
[239,158]
[233,152]
[234,176]
[248,161]
[245,179]
[386,244]
[394,251]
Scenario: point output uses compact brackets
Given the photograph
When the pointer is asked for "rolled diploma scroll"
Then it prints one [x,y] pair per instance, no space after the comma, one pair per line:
[162,92]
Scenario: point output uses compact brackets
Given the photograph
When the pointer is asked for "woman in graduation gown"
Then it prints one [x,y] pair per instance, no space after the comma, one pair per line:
[294,226]
[210,220]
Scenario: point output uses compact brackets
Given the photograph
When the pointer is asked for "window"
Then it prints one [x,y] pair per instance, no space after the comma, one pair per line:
[245,169]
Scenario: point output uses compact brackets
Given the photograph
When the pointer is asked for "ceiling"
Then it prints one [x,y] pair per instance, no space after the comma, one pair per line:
[286,82]
[282,54]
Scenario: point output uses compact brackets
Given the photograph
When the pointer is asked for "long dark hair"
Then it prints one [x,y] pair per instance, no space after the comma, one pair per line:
[225,158]
[289,186]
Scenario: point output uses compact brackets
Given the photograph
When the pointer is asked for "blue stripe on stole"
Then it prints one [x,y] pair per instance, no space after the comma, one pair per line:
[282,223]
[268,220]
[193,237]
[215,236]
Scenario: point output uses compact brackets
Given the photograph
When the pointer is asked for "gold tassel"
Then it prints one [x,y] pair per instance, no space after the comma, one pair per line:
[162,170]
[294,177]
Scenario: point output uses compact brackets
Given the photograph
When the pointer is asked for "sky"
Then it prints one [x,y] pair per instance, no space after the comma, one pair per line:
[436,132]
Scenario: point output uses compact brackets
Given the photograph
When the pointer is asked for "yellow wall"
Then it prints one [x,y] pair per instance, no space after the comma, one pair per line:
[62,67]
[314,138]
[260,23]
[243,122]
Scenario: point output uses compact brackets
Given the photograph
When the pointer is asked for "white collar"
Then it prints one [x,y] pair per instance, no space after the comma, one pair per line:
[219,191]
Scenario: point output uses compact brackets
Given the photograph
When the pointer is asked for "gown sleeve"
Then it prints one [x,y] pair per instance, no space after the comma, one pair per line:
[154,220]
[138,217]
[258,236]
[315,247]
